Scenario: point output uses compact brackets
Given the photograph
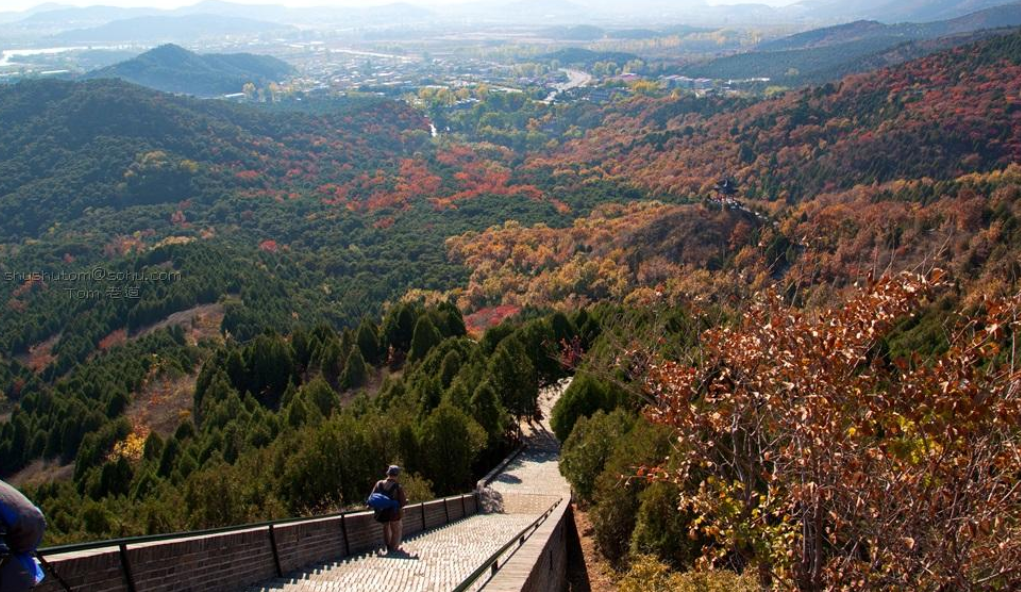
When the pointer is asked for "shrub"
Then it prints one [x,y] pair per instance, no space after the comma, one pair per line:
[585,396]
[661,530]
[617,490]
[649,575]
[451,442]
[585,452]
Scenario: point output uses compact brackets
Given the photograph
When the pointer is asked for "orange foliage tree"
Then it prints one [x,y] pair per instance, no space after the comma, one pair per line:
[804,454]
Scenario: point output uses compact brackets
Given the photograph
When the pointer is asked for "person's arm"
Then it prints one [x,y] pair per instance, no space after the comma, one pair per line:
[401,496]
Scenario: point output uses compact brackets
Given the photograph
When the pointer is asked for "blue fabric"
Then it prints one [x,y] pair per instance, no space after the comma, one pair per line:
[8,515]
[379,501]
[31,566]
[28,562]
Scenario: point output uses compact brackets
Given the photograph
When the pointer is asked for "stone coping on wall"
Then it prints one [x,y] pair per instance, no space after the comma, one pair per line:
[540,564]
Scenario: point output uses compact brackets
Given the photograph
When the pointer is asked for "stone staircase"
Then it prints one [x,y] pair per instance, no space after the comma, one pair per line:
[439,559]
[436,561]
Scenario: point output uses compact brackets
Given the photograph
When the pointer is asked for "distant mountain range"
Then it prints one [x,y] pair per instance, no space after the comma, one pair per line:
[9,16]
[73,16]
[171,68]
[1001,16]
[891,11]
[826,54]
[163,29]
[54,18]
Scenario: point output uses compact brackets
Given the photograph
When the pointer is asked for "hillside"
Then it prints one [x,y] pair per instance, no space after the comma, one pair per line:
[830,53]
[892,11]
[892,56]
[997,17]
[82,139]
[910,121]
[912,133]
[586,58]
[836,35]
[286,218]
[830,63]
[171,68]
[295,228]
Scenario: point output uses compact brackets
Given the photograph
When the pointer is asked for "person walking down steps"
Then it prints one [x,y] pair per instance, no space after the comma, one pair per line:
[390,512]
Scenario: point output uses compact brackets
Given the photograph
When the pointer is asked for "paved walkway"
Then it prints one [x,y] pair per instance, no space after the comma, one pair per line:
[441,558]
[532,482]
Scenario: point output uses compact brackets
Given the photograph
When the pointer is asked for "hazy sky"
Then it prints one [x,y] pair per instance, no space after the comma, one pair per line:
[6,5]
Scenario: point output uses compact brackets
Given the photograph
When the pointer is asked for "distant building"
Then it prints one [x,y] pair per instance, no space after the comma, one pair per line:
[678,82]
[603,94]
[465,104]
[697,85]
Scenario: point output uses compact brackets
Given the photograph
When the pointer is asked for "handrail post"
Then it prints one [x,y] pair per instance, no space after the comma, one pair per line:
[276,553]
[129,579]
[343,528]
[446,510]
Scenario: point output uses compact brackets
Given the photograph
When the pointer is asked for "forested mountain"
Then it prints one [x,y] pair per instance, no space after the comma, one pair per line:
[918,133]
[171,68]
[90,141]
[912,121]
[233,220]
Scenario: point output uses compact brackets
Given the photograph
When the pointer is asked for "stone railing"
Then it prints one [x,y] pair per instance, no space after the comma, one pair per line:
[540,564]
[233,558]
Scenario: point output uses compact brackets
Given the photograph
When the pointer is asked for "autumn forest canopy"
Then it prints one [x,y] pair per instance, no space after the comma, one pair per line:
[789,321]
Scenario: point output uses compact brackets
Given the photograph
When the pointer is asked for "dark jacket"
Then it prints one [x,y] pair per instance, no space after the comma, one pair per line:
[393,490]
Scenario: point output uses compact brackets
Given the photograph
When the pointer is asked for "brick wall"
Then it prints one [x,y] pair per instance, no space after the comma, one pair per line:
[232,560]
[435,514]
[305,543]
[211,562]
[96,571]
[540,565]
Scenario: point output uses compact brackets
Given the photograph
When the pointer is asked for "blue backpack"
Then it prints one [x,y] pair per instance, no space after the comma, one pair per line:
[380,501]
